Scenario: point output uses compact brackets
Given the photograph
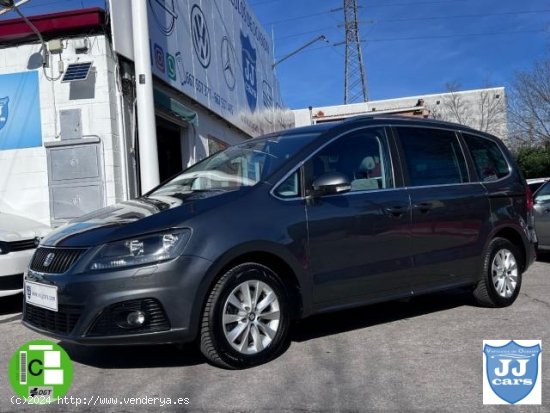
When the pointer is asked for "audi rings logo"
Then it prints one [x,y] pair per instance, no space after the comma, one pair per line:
[228,63]
[201,36]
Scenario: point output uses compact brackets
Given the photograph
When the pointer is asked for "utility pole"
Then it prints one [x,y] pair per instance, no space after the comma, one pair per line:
[147,133]
[355,80]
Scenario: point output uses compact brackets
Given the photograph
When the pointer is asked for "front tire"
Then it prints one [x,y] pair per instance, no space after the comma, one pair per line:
[501,276]
[246,318]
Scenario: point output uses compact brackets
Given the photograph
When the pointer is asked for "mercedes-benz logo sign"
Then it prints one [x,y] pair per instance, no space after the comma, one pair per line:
[228,63]
[201,36]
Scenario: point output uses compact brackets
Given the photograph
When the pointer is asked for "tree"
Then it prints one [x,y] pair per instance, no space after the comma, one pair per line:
[484,111]
[529,106]
[492,112]
[534,161]
[456,106]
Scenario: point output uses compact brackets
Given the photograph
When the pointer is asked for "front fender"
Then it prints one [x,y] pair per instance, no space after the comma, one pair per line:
[242,253]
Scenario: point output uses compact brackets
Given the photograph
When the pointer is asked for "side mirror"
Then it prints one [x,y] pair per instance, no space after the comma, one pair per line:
[331,183]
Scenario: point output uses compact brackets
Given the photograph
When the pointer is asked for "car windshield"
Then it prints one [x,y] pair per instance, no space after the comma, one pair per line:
[238,166]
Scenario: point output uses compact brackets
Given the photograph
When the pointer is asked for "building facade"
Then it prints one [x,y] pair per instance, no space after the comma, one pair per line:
[482,109]
[68,130]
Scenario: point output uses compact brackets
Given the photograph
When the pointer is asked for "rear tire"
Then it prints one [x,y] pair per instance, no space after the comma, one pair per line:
[501,275]
[246,318]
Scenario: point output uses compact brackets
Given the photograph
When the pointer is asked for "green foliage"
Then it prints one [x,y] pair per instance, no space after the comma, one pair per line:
[534,161]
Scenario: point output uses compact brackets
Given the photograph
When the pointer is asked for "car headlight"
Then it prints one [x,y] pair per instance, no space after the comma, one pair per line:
[141,250]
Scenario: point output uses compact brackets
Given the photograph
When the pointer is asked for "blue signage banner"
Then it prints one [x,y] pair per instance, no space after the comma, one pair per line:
[20,125]
[216,52]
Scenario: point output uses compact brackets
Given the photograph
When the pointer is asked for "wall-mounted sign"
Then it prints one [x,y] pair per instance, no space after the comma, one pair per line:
[214,51]
[19,111]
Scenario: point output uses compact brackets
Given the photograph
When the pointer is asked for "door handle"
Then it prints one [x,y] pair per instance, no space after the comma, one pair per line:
[423,207]
[395,211]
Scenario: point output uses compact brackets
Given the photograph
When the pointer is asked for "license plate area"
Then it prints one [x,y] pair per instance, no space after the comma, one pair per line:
[41,295]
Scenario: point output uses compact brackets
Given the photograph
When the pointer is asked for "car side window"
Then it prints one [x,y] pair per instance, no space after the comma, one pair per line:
[290,187]
[488,158]
[543,194]
[432,156]
[362,156]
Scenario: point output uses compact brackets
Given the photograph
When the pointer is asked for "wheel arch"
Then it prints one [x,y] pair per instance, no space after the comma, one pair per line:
[514,236]
[284,264]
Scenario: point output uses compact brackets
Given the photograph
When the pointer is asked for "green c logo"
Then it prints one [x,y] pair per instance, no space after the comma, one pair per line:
[40,370]
[30,367]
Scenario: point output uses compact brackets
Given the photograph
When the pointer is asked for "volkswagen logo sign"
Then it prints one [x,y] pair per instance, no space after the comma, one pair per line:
[49,259]
[200,35]
[228,63]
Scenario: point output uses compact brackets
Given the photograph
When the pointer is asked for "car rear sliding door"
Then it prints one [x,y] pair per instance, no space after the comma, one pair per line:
[450,214]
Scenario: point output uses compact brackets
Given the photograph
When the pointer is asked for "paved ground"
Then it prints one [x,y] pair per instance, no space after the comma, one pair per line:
[424,355]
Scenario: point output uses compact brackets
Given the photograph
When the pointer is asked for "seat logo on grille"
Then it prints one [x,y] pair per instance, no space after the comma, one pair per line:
[49,259]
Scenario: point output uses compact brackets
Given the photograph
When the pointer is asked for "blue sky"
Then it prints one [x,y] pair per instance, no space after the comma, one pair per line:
[411,47]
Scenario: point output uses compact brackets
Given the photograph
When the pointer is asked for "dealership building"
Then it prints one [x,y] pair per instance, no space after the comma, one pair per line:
[482,109]
[68,124]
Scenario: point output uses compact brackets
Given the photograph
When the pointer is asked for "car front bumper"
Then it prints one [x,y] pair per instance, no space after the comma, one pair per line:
[12,267]
[86,300]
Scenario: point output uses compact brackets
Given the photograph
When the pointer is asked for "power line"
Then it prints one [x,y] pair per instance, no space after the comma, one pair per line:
[306,16]
[303,16]
[460,16]
[416,3]
[321,29]
[397,39]
[375,21]
[386,3]
[393,39]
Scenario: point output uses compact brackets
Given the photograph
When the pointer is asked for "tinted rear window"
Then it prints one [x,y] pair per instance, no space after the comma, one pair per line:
[432,156]
[489,160]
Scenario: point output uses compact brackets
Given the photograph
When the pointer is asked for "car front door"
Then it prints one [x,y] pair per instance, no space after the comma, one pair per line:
[359,241]
[450,214]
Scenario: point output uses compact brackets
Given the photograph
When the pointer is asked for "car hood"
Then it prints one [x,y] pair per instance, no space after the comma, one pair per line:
[136,217]
[18,228]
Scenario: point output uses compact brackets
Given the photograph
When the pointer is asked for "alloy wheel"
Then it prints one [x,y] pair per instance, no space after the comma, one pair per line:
[504,273]
[251,317]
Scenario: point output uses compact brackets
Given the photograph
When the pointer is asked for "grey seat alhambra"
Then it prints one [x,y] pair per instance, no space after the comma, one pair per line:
[284,226]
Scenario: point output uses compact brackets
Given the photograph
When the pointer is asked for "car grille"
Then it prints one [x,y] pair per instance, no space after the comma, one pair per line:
[28,244]
[111,320]
[11,282]
[62,321]
[61,261]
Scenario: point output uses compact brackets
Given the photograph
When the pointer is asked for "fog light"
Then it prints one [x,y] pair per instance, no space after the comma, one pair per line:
[135,318]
